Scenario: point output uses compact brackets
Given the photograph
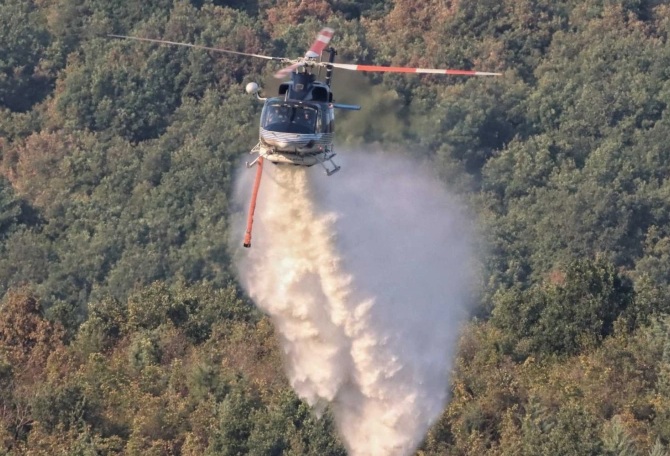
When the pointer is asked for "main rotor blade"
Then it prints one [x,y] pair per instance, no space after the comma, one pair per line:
[390,69]
[322,40]
[197,46]
[286,71]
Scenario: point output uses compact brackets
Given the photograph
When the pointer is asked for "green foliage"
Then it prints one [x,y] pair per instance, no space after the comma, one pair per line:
[355,10]
[289,427]
[117,163]
[25,40]
[234,425]
[575,313]
[570,431]
[616,440]
[192,309]
[144,350]
[10,209]
[105,93]
[654,264]
[61,409]
[658,449]
[104,325]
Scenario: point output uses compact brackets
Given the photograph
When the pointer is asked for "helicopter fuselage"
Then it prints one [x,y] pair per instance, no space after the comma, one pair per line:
[297,126]
[296,132]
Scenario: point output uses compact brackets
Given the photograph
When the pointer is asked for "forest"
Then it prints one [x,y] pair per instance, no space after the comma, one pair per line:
[124,329]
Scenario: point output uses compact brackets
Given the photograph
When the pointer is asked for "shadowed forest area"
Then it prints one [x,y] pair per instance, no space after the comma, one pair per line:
[124,329]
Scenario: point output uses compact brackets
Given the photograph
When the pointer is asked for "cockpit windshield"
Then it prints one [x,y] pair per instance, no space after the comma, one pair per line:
[288,118]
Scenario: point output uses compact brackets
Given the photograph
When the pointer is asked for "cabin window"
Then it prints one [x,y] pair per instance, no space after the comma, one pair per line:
[287,118]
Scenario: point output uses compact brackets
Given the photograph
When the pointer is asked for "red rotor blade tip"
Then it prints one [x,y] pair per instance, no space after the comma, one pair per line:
[322,40]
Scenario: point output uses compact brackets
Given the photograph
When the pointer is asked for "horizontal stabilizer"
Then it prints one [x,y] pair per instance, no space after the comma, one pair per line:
[346,106]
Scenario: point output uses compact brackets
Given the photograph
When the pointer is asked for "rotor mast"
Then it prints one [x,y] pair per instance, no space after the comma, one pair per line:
[329,66]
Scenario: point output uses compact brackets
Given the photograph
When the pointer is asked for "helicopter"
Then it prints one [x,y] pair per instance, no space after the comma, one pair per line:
[297,126]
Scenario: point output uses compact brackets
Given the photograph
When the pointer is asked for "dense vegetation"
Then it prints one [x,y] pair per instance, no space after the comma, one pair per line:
[123,330]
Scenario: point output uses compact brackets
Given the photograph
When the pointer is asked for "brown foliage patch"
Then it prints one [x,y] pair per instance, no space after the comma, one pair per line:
[31,166]
[26,337]
[295,12]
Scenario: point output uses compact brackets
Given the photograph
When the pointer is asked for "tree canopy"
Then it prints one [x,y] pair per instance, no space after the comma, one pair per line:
[124,329]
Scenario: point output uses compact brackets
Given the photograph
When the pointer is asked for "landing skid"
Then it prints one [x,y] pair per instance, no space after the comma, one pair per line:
[335,168]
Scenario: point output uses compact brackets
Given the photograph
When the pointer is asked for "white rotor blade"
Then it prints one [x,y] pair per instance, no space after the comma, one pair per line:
[390,69]
[197,46]
[286,71]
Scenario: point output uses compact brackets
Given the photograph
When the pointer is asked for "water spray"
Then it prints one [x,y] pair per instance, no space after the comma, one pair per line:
[366,277]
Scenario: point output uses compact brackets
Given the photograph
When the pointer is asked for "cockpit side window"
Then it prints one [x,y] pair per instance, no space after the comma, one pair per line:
[326,121]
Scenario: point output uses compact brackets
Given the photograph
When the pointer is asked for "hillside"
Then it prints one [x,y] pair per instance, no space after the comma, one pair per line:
[125,329]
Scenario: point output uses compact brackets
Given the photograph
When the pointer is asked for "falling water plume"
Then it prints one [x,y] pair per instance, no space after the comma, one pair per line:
[366,276]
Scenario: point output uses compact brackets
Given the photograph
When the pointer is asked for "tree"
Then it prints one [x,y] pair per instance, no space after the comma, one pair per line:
[234,424]
[570,431]
[577,311]
[25,40]
[10,209]
[616,441]
[26,337]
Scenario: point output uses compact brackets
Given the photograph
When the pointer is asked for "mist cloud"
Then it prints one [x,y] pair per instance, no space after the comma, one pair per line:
[366,276]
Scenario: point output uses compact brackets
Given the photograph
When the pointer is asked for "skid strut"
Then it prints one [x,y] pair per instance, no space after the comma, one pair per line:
[252,204]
